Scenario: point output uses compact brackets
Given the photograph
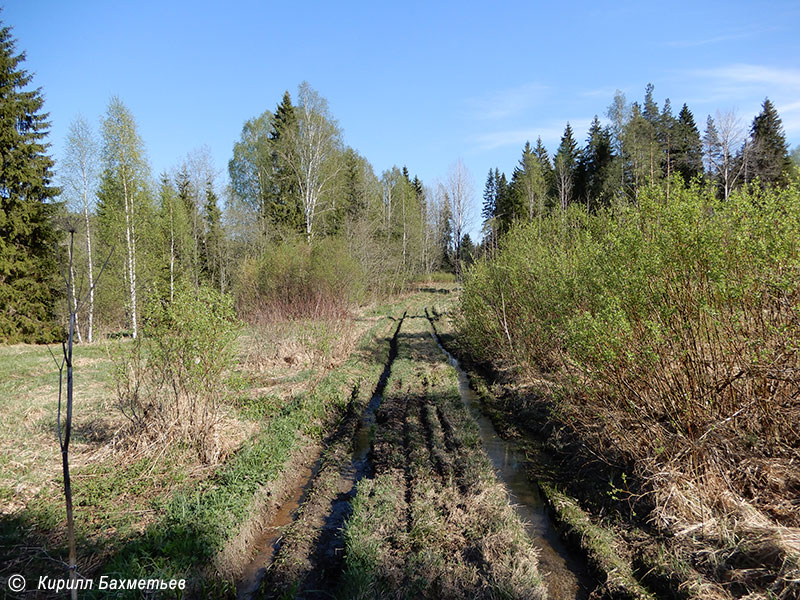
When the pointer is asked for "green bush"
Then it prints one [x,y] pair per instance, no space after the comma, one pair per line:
[172,380]
[682,312]
[301,280]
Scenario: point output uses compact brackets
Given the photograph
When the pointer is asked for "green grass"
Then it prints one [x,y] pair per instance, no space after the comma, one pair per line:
[600,544]
[199,522]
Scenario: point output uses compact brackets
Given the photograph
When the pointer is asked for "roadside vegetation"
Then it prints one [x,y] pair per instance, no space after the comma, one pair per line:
[666,334]
[150,499]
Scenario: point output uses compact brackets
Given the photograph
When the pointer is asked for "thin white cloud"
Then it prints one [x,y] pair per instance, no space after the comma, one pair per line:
[746,85]
[790,117]
[745,74]
[600,93]
[550,134]
[506,103]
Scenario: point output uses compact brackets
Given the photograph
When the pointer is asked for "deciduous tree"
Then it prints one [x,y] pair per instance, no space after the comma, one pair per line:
[124,190]
[80,169]
[309,153]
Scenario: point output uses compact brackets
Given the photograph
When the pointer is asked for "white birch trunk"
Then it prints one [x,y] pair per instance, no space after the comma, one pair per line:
[90,325]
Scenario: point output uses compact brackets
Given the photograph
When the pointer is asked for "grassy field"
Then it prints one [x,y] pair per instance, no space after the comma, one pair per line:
[157,510]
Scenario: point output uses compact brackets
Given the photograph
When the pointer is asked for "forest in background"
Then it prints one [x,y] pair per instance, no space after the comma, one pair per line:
[306,226]
[647,282]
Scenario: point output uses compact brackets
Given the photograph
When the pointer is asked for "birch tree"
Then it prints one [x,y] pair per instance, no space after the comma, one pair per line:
[80,171]
[311,151]
[721,142]
[125,180]
[459,191]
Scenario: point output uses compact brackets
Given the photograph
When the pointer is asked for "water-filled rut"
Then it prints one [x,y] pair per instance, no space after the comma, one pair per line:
[565,574]
[327,552]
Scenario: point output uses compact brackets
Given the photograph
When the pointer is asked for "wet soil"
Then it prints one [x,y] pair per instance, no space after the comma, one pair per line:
[565,572]
[301,553]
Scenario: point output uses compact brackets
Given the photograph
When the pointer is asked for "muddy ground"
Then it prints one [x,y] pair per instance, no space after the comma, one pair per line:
[410,496]
[403,501]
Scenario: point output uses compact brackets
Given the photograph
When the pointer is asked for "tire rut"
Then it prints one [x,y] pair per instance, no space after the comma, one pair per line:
[311,561]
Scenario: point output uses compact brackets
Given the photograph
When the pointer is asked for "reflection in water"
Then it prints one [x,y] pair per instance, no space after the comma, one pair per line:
[269,539]
[564,573]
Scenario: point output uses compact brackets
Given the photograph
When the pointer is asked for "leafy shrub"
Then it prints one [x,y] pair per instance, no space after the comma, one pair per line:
[172,380]
[301,280]
[677,317]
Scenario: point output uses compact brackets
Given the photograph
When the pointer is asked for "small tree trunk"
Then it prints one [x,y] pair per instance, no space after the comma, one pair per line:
[90,332]
[64,438]
[75,302]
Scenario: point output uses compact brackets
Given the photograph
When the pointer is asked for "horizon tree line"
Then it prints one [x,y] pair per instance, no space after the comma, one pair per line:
[641,145]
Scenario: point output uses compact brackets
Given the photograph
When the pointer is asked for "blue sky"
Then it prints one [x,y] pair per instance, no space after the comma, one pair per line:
[414,83]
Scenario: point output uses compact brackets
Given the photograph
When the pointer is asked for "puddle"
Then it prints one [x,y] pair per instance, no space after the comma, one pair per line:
[359,467]
[565,574]
[269,539]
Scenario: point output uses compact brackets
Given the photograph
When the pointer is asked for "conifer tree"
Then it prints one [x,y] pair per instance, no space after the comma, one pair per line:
[654,145]
[544,159]
[214,240]
[595,168]
[28,270]
[503,214]
[566,164]
[665,138]
[489,208]
[688,148]
[769,153]
[354,190]
[285,206]
[490,196]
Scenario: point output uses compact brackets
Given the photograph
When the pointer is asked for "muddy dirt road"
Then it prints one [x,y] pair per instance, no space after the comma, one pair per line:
[412,496]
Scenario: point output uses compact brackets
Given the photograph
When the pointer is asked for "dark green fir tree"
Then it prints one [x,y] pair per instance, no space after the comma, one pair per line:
[768,158]
[28,269]
[595,175]
[688,148]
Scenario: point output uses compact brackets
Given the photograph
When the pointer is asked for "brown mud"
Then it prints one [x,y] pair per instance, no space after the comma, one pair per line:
[307,558]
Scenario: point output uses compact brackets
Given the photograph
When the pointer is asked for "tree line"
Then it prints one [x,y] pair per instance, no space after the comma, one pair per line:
[640,146]
[296,190]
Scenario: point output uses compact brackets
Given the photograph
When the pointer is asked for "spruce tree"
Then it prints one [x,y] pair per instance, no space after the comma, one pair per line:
[688,149]
[354,194]
[566,164]
[28,270]
[213,240]
[285,207]
[595,168]
[490,196]
[769,153]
